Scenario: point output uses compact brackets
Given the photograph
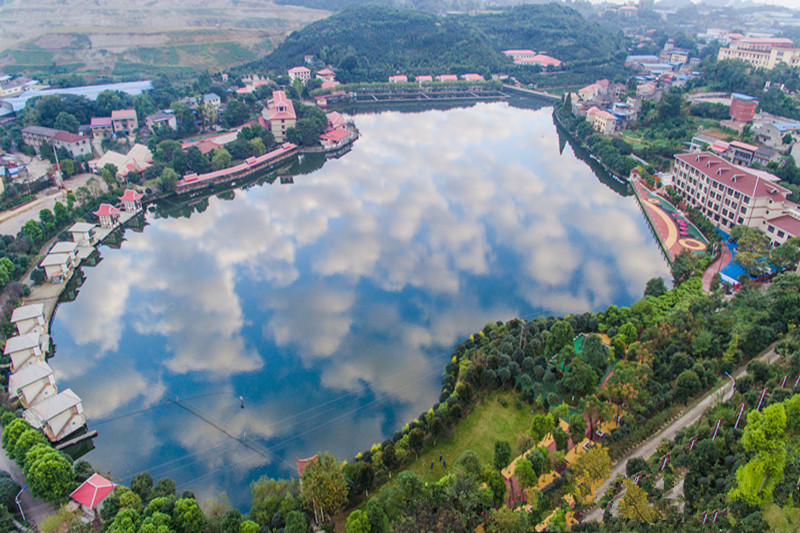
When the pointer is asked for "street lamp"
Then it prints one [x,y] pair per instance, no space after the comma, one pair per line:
[16,499]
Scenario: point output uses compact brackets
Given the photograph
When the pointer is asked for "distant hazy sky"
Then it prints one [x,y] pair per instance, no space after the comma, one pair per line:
[794,4]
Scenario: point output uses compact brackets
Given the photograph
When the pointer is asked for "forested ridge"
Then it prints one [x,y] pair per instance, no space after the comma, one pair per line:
[370,43]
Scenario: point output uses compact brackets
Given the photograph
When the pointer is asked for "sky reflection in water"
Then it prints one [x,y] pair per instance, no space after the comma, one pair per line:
[331,304]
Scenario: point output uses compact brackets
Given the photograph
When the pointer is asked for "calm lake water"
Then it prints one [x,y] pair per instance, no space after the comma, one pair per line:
[331,304]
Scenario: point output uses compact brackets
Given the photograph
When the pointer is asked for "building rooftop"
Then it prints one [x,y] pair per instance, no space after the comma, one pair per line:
[101,122]
[40,130]
[106,210]
[787,223]
[326,72]
[92,491]
[746,98]
[131,196]
[733,176]
[27,375]
[280,107]
[63,247]
[26,312]
[21,342]
[81,227]
[55,405]
[67,137]
[120,114]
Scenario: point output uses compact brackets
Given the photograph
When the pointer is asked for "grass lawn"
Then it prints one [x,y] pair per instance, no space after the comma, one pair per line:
[487,422]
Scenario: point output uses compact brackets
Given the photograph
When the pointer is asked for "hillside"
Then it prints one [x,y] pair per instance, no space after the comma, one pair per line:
[557,29]
[373,42]
[124,38]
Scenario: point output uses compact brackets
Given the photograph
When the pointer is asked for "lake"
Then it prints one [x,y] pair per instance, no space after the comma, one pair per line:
[330,305]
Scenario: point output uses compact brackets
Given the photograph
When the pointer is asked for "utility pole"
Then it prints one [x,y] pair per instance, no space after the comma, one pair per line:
[16,499]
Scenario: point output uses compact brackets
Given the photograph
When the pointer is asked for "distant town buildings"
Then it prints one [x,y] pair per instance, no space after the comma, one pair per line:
[762,52]
[529,57]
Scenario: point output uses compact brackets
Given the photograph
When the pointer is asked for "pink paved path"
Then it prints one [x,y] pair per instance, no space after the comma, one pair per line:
[716,266]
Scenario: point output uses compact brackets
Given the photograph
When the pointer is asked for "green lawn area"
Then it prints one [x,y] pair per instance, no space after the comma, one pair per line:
[487,422]
[782,519]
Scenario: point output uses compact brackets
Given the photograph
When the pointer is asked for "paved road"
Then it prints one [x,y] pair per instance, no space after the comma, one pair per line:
[35,509]
[648,447]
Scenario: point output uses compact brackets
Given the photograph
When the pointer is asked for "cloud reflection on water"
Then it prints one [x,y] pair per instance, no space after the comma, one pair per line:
[337,298]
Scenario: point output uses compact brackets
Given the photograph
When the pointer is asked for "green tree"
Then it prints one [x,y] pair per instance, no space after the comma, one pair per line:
[561,334]
[221,159]
[577,427]
[655,287]
[687,386]
[561,439]
[188,517]
[25,442]
[683,266]
[525,473]
[47,219]
[51,477]
[504,520]
[33,230]
[590,468]
[787,255]
[358,522]
[12,432]
[497,484]
[634,505]
[579,378]
[323,486]
[67,122]
[257,146]
[765,436]
[378,521]
[168,179]
[8,492]
[295,523]
[754,249]
[541,425]
[142,484]
[68,167]
[126,521]
[595,353]
[502,454]
[787,139]
[236,113]
[248,526]
[470,463]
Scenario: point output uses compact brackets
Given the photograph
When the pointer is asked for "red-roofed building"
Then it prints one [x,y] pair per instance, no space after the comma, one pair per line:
[329,84]
[91,493]
[336,120]
[326,74]
[447,77]
[730,195]
[743,107]
[301,73]
[131,200]
[124,121]
[76,145]
[781,229]
[472,77]
[280,114]
[101,127]
[520,56]
[302,463]
[335,139]
[108,215]
[424,78]
[602,121]
[399,78]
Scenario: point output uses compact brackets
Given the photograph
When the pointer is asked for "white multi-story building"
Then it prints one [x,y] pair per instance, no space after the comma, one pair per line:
[730,195]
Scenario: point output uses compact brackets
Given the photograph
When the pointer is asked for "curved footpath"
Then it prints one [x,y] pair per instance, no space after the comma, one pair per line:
[648,447]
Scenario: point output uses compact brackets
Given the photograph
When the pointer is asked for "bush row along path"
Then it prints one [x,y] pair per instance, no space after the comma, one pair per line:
[648,447]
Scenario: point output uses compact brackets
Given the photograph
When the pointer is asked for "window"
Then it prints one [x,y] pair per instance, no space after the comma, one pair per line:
[781,234]
[741,220]
[771,229]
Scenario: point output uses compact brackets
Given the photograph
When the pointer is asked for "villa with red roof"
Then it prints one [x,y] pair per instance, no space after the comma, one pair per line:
[326,74]
[730,195]
[108,215]
[280,114]
[131,200]
[90,494]
[447,77]
[101,127]
[76,145]
[301,73]
[593,91]
[529,57]
[399,78]
[602,121]
[336,120]
[424,78]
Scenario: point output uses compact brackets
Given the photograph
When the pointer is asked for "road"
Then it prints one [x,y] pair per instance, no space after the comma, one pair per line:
[35,509]
[648,447]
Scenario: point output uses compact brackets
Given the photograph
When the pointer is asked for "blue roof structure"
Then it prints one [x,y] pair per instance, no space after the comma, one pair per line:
[740,96]
[89,91]
[786,126]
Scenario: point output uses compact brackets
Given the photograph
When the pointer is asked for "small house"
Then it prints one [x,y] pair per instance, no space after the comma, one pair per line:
[89,496]
[424,78]
[108,215]
[124,122]
[58,416]
[83,233]
[131,200]
[447,77]
[67,247]
[472,77]
[301,73]
[102,128]
[32,384]
[25,350]
[29,319]
[57,267]
[326,74]
[398,78]
[161,119]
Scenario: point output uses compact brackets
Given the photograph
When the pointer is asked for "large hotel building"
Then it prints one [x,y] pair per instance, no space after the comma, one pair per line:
[730,195]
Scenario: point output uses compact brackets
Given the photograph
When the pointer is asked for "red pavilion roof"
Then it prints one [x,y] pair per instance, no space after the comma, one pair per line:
[92,491]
